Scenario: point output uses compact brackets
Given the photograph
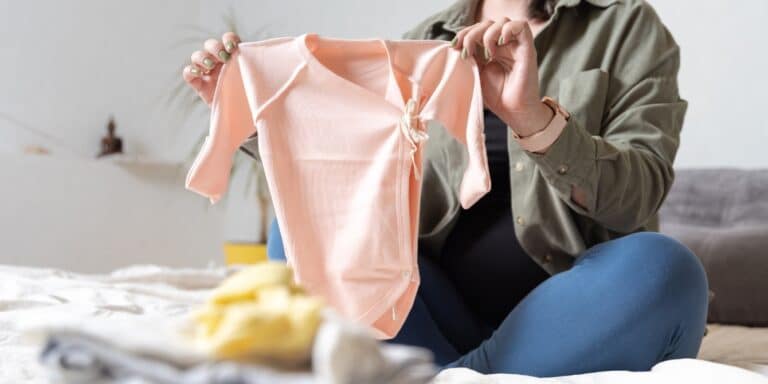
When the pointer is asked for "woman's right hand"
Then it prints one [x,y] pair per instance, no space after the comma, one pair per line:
[203,73]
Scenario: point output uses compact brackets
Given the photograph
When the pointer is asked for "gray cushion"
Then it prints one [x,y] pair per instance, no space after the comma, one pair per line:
[722,216]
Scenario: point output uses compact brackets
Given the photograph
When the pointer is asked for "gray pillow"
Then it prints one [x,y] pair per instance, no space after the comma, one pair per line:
[722,216]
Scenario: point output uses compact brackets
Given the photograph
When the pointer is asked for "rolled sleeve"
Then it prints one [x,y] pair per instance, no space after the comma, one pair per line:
[570,161]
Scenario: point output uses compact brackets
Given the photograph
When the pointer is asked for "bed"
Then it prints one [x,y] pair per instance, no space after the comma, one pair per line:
[30,294]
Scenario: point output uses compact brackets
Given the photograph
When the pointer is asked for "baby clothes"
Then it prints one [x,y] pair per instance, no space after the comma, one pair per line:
[340,126]
[259,314]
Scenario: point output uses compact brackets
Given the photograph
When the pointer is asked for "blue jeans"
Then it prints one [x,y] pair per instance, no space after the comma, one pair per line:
[626,304]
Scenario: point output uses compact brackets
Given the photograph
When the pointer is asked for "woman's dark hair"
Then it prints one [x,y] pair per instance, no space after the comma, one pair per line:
[541,9]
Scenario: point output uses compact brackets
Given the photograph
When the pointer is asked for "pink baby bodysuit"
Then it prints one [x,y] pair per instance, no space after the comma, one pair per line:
[341,126]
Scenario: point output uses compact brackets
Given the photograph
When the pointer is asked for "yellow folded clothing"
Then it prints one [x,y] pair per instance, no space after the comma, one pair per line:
[259,314]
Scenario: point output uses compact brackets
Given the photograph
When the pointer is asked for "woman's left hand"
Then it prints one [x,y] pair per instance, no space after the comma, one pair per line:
[506,55]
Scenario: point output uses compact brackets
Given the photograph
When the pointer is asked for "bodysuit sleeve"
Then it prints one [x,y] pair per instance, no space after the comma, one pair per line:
[230,125]
[457,104]
[256,75]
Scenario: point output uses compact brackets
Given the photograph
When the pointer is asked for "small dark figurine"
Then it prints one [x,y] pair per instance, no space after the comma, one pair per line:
[111,144]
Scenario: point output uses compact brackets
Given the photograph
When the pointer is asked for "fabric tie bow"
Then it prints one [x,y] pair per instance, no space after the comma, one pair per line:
[413,129]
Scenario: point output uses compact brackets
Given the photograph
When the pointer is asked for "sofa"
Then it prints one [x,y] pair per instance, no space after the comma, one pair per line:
[722,216]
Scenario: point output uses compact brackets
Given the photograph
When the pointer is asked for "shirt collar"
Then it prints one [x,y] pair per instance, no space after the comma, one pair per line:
[462,12]
[596,3]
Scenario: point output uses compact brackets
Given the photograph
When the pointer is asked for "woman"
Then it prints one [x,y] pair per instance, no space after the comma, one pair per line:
[557,270]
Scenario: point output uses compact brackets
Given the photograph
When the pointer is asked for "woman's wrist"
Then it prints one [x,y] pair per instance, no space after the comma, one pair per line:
[531,121]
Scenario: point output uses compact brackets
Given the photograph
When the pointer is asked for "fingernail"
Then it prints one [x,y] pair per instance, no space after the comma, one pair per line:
[487,54]
[453,42]
[224,55]
[464,53]
[208,63]
[501,40]
[195,71]
[230,46]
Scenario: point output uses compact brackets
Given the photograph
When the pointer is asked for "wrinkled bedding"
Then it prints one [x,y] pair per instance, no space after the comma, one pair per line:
[30,294]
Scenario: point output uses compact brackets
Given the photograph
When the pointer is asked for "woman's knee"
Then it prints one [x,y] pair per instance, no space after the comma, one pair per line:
[665,255]
[664,266]
[676,288]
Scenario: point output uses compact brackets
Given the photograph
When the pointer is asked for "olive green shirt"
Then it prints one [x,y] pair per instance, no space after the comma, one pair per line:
[613,65]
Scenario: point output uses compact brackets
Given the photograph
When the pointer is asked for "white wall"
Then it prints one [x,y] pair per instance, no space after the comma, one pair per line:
[723,76]
[92,215]
[66,65]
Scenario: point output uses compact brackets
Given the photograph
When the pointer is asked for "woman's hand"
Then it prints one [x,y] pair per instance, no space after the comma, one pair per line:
[506,55]
[203,73]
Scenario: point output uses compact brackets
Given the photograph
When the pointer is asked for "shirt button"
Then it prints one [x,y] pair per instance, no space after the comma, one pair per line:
[406,274]
[562,169]
[520,220]
[547,258]
[519,166]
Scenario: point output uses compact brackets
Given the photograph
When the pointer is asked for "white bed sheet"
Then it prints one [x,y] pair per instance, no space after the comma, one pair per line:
[30,294]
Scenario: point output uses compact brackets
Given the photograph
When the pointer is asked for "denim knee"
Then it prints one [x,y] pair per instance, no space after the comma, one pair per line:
[665,264]
[275,250]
